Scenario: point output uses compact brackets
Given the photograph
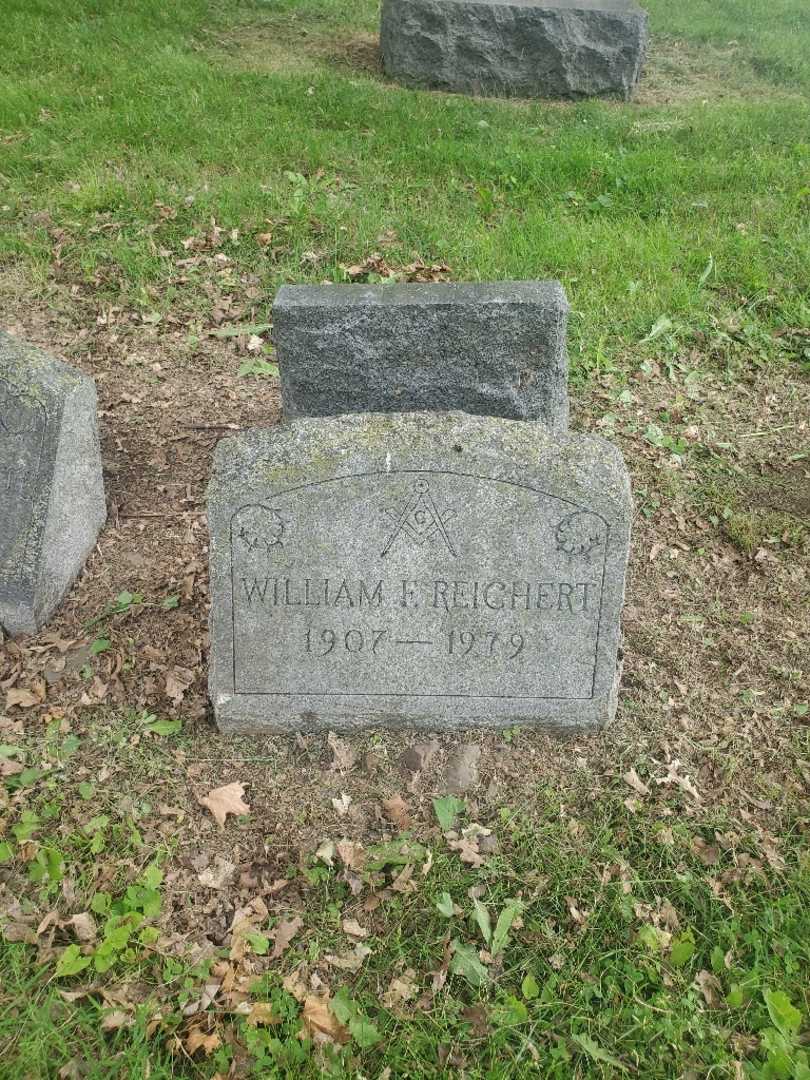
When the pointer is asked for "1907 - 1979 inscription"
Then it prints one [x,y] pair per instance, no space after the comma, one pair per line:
[417,584]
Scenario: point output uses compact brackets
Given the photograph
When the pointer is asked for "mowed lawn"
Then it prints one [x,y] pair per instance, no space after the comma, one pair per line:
[632,903]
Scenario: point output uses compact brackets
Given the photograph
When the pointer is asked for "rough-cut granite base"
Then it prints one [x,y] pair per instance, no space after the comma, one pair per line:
[434,570]
[492,348]
[52,502]
[516,48]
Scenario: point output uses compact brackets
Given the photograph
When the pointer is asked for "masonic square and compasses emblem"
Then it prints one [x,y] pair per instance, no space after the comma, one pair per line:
[419,520]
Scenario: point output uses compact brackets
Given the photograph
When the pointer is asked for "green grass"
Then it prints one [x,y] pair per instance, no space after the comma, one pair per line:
[107,110]
[125,128]
[622,927]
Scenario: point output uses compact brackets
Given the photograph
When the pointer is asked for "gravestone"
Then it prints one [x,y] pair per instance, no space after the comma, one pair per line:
[521,48]
[435,570]
[51,489]
[497,349]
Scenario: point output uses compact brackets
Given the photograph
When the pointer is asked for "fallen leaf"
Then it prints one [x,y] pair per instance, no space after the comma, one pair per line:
[467,848]
[284,933]
[353,928]
[320,1023]
[673,776]
[397,811]
[115,1020]
[402,988]
[344,758]
[261,1012]
[351,854]
[84,926]
[636,783]
[178,680]
[326,853]
[22,699]
[709,854]
[217,876]
[342,805]
[351,960]
[711,988]
[226,800]
[198,1040]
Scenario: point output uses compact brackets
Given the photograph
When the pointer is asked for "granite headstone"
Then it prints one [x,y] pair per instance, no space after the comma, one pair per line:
[523,48]
[498,349]
[51,489]
[435,570]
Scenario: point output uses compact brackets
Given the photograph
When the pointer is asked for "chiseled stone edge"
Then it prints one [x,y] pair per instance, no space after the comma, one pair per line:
[406,25]
[589,471]
[70,507]
[546,396]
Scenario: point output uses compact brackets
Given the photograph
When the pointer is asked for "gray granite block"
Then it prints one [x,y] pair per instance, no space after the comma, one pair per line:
[433,570]
[523,48]
[497,349]
[51,489]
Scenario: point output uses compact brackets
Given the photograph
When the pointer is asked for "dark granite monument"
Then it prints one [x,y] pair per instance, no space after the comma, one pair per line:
[497,349]
[516,48]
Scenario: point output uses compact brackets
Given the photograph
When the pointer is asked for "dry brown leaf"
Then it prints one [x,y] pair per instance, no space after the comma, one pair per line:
[402,988]
[226,800]
[198,1040]
[116,1019]
[284,933]
[320,1023]
[342,805]
[261,1012]
[353,928]
[351,960]
[217,876]
[344,758]
[84,926]
[579,917]
[9,767]
[351,854]
[711,988]
[397,811]
[22,699]
[632,778]
[709,854]
[178,680]
[467,848]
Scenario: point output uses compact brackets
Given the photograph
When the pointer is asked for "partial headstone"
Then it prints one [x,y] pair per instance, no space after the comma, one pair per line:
[433,570]
[516,48]
[51,489]
[497,349]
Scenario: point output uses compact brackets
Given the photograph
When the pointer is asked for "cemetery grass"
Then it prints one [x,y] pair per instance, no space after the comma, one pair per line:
[651,881]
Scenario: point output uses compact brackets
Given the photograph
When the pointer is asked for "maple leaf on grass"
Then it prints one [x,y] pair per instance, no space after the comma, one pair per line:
[320,1023]
[285,932]
[226,800]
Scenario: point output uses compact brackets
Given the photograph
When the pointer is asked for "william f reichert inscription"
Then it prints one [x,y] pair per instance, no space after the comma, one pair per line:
[439,570]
